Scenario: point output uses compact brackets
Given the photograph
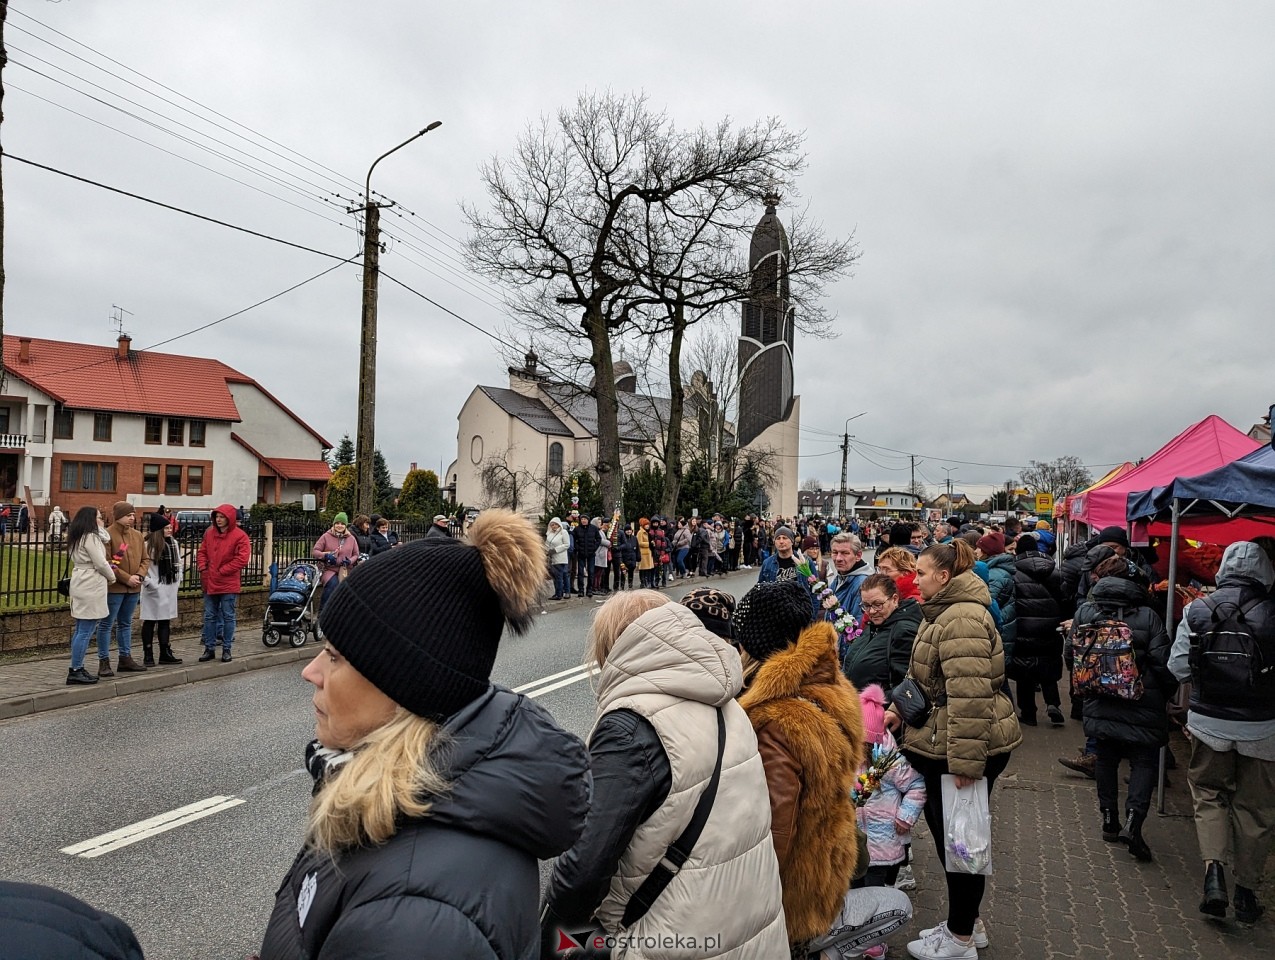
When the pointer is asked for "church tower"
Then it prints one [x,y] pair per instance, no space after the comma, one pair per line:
[769,412]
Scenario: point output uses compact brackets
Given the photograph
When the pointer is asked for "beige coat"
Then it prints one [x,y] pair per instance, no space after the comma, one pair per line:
[958,654]
[90,574]
[667,668]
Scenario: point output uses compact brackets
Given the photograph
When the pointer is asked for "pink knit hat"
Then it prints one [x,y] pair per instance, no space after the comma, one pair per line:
[872,698]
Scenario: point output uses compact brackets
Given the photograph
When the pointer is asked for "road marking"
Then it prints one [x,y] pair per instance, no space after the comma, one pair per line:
[125,836]
[161,823]
[577,673]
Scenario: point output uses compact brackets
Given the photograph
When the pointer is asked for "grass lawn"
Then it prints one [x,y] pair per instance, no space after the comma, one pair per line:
[29,577]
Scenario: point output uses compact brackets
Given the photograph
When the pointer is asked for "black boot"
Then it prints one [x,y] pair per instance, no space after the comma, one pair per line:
[148,654]
[1110,826]
[166,654]
[1247,907]
[1215,900]
[1132,837]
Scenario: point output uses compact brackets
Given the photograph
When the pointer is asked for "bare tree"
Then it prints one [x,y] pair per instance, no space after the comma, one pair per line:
[503,483]
[1060,477]
[812,484]
[570,209]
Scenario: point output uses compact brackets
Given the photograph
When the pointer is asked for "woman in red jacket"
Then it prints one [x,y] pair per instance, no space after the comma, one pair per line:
[221,559]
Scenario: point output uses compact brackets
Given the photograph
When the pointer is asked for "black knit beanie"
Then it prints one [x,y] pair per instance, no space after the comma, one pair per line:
[771,616]
[1117,535]
[422,623]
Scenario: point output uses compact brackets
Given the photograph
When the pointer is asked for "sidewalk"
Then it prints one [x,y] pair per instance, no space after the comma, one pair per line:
[37,685]
[1059,891]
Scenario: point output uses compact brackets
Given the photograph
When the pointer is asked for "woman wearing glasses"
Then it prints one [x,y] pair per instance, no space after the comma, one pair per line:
[882,653]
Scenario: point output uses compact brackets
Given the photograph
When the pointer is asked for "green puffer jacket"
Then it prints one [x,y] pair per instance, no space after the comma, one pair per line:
[958,655]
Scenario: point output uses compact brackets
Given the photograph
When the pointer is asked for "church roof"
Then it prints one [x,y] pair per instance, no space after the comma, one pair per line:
[529,410]
[640,417]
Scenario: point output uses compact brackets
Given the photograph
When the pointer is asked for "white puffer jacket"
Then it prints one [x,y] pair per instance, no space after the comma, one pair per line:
[666,667]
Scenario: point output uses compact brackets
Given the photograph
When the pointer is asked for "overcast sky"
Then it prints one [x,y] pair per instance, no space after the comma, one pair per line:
[1064,210]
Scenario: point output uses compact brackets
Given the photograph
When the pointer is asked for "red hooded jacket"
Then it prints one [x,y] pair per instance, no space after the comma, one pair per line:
[223,556]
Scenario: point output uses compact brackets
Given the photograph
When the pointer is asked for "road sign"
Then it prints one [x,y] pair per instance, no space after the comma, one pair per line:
[1044,504]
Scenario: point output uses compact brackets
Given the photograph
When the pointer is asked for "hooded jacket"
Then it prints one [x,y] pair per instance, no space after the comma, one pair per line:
[1000,572]
[557,542]
[882,654]
[670,671]
[1038,603]
[1071,572]
[1244,576]
[463,880]
[1145,721]
[222,557]
[809,725]
[958,655]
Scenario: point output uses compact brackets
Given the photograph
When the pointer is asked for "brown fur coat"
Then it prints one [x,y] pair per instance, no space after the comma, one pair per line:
[810,735]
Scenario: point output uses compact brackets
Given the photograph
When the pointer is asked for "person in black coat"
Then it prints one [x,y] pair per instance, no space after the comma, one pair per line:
[436,793]
[884,651]
[585,540]
[40,923]
[1132,729]
[1038,646]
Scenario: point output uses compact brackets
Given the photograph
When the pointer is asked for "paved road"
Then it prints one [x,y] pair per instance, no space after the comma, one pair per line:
[205,889]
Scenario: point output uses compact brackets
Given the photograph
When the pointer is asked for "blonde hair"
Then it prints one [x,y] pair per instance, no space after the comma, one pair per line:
[900,558]
[750,666]
[392,770]
[614,617]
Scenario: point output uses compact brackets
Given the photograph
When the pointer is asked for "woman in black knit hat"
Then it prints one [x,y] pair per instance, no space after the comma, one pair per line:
[436,793]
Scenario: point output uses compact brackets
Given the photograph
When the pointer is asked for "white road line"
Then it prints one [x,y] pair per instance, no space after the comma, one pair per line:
[124,836]
[161,823]
[582,670]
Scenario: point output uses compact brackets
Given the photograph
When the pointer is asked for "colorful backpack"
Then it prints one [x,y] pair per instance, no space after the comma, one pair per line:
[1103,662]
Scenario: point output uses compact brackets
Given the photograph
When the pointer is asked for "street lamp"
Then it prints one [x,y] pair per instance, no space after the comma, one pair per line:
[366,443]
[845,456]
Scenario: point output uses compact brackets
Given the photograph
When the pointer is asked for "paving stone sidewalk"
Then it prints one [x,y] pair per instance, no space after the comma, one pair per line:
[1059,891]
[37,685]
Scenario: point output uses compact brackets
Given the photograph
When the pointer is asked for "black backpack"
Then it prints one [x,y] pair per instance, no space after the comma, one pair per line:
[1229,662]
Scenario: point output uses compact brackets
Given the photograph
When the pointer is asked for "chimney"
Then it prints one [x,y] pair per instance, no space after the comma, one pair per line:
[122,347]
[24,349]
[413,466]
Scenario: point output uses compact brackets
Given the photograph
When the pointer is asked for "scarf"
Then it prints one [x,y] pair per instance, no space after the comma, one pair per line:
[324,763]
[167,561]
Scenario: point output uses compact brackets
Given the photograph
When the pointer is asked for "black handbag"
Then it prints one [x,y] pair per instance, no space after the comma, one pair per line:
[64,584]
[912,703]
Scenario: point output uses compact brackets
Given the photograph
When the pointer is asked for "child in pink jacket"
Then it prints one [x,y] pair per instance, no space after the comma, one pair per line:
[889,814]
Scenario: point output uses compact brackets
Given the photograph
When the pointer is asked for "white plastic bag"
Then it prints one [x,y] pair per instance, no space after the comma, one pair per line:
[967,827]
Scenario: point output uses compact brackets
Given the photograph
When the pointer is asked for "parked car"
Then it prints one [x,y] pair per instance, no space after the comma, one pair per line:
[193,523]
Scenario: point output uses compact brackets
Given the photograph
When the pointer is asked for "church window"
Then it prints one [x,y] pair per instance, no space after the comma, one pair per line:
[476,449]
[555,459]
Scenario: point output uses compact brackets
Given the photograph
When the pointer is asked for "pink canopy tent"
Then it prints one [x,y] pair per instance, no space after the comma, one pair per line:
[1201,447]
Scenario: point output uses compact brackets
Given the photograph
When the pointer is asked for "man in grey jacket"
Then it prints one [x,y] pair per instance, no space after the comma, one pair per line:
[1232,723]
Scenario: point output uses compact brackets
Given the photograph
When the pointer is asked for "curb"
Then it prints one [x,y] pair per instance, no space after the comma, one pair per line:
[143,682]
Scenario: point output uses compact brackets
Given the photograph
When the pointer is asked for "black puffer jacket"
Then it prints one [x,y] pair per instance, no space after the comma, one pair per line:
[40,923]
[585,540]
[883,653]
[1038,646]
[462,881]
[1144,721]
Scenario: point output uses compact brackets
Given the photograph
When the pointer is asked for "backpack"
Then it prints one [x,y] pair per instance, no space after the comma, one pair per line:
[1227,660]
[1103,661]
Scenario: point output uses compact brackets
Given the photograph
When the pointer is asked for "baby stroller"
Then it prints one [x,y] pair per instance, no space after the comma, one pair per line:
[290,606]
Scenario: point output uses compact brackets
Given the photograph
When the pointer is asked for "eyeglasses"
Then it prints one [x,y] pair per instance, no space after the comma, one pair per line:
[879,605]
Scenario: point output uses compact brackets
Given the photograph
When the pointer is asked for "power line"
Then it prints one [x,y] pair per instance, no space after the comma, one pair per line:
[168,206]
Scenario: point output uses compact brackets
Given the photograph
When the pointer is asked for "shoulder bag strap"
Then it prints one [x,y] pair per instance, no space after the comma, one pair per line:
[680,849]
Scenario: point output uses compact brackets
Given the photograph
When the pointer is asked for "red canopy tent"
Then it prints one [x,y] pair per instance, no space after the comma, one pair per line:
[1201,447]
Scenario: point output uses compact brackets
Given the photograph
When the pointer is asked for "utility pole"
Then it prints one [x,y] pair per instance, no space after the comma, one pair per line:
[4,60]
[365,444]
[845,455]
[912,489]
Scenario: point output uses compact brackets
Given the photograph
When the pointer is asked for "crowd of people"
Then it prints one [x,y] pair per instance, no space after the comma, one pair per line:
[757,765]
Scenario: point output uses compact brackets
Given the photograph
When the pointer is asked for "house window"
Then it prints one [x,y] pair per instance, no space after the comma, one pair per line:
[155,430]
[555,459]
[150,478]
[90,476]
[194,480]
[4,419]
[63,423]
[176,432]
[198,429]
[173,480]
[102,426]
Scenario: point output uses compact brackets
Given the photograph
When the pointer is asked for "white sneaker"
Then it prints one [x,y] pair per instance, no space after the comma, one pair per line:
[906,880]
[980,933]
[938,944]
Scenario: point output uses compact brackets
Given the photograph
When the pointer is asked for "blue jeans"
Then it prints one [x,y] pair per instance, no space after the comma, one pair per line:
[679,560]
[119,611]
[80,641]
[219,617]
[561,582]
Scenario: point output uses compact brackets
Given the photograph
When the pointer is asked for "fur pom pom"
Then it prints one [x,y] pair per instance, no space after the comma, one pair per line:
[514,560]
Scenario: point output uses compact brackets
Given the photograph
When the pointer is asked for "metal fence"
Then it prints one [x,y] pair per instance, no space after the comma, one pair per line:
[31,563]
